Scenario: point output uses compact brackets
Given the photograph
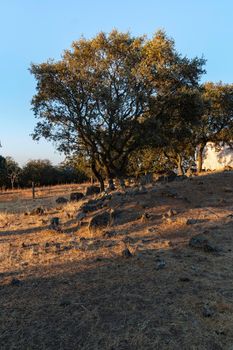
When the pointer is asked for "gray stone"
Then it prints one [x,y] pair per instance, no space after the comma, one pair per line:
[100,221]
[92,205]
[54,222]
[80,216]
[160,264]
[61,200]
[92,190]
[192,221]
[184,279]
[207,311]
[76,196]
[126,253]
[16,282]
[200,242]
[65,302]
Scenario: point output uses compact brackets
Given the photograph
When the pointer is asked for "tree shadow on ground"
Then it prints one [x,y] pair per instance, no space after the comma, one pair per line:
[118,303]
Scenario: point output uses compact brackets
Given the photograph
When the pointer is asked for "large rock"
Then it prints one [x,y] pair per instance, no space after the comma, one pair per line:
[202,243]
[92,205]
[100,221]
[76,196]
[61,200]
[92,190]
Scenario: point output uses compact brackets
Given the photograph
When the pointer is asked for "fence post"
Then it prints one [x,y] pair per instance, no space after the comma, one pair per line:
[33,190]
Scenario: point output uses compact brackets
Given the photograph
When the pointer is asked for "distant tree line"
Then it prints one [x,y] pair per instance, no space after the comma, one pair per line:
[122,105]
[41,172]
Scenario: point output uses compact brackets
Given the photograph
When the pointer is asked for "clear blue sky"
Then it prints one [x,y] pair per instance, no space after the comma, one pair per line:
[35,30]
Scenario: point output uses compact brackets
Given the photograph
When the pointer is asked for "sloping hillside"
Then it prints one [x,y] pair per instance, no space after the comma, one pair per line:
[158,276]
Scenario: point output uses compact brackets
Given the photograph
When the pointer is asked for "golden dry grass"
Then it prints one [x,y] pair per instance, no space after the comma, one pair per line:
[77,291]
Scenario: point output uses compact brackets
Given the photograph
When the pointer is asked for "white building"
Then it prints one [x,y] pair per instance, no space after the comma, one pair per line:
[217,157]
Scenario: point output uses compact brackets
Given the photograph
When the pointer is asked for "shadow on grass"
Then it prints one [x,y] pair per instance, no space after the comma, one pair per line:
[115,303]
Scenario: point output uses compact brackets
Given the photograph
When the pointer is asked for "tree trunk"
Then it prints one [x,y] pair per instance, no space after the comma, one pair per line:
[33,190]
[122,182]
[98,176]
[200,157]
[111,184]
[180,169]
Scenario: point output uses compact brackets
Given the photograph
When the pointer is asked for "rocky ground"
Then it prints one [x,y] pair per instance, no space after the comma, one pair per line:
[145,268]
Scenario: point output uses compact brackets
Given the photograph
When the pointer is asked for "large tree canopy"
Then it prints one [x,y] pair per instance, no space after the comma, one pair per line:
[97,98]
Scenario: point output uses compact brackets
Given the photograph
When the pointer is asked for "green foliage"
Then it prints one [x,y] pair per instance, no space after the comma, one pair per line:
[216,122]
[13,171]
[107,93]
[3,171]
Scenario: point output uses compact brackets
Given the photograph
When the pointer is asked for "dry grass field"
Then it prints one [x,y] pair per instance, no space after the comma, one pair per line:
[71,288]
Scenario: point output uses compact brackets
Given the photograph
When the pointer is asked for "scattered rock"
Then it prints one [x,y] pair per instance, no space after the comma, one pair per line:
[92,190]
[160,264]
[109,234]
[227,190]
[192,221]
[184,279]
[65,302]
[16,282]
[54,222]
[207,311]
[92,205]
[80,216]
[210,249]
[200,242]
[100,221]
[61,200]
[126,253]
[76,196]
